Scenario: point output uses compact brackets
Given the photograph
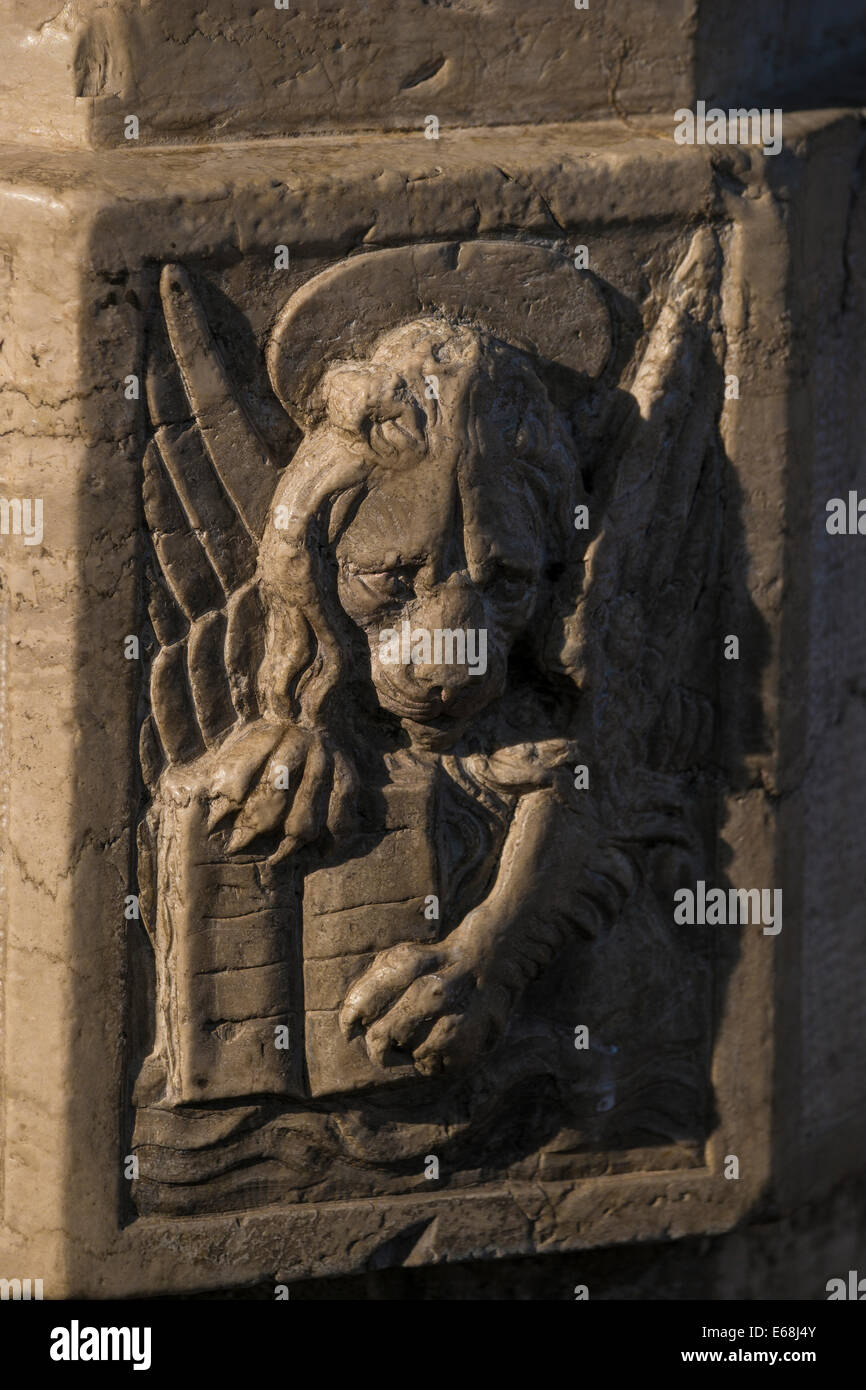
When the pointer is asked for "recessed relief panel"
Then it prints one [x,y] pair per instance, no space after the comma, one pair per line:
[428,729]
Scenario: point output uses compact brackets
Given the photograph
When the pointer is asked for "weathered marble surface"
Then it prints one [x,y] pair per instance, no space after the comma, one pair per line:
[169,380]
[238,69]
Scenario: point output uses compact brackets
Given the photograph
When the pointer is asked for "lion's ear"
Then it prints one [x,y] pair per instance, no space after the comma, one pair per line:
[349,394]
[375,404]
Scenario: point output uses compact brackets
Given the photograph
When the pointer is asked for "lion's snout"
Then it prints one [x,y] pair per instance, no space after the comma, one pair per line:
[439,659]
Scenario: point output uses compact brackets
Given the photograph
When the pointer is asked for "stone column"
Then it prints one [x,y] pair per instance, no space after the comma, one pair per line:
[431,670]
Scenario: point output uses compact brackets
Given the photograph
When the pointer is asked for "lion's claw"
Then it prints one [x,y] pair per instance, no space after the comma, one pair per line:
[425,1004]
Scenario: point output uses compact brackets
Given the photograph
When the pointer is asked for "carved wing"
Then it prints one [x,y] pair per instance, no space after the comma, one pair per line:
[208,481]
[632,633]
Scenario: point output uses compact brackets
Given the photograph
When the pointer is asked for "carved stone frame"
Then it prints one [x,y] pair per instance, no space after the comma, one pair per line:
[109,225]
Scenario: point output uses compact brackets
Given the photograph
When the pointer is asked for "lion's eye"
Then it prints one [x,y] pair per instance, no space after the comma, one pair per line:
[529,439]
[511,583]
[396,584]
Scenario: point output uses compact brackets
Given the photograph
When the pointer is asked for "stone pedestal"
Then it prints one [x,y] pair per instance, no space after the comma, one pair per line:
[158,1134]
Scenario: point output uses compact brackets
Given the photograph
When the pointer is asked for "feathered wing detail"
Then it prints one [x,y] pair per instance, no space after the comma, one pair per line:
[627,639]
[207,485]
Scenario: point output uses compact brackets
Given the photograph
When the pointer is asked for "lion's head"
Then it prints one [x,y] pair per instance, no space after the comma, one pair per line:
[436,489]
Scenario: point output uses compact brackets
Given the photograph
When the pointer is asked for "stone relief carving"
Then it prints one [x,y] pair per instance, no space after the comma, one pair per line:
[369,883]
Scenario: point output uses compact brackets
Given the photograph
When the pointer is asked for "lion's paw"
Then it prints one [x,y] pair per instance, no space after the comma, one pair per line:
[426,1004]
